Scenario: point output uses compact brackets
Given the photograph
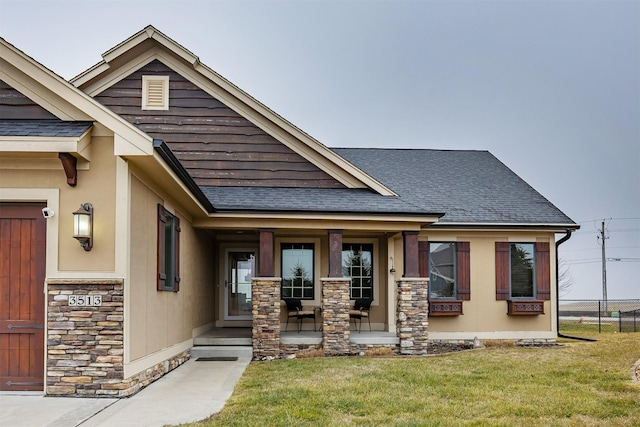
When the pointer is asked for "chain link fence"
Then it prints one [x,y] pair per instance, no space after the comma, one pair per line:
[629,321]
[609,315]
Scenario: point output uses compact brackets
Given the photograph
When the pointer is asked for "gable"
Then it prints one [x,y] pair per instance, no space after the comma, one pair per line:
[150,44]
[215,144]
[14,105]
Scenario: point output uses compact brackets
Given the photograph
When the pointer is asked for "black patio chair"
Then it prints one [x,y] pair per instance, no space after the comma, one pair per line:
[295,309]
[361,308]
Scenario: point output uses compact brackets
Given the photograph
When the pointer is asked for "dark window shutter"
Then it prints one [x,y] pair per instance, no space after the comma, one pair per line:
[463,271]
[543,271]
[423,259]
[176,254]
[502,271]
[162,276]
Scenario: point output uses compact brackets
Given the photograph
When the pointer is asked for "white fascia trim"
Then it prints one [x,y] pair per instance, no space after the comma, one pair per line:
[528,226]
[178,181]
[74,99]
[47,144]
[495,335]
[385,225]
[139,365]
[122,72]
[150,33]
[417,221]
[34,87]
[147,33]
[87,75]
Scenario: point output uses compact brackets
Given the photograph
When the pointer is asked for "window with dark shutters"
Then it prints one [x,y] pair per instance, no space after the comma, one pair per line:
[456,272]
[168,251]
[463,271]
[541,277]
[502,271]
[543,271]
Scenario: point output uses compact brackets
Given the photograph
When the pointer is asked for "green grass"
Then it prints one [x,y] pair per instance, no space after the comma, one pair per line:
[578,384]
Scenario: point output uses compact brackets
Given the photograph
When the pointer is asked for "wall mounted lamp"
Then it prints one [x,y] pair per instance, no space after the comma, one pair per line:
[392,270]
[83,226]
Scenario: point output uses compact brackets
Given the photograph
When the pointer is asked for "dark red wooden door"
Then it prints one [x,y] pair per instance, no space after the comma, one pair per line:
[22,273]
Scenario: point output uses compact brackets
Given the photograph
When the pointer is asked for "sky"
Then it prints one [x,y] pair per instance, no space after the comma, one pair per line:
[551,88]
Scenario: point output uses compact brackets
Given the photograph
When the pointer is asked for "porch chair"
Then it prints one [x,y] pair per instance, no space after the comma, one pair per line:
[295,309]
[361,308]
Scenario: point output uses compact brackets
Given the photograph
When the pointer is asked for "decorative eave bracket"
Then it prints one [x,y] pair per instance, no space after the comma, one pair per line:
[70,166]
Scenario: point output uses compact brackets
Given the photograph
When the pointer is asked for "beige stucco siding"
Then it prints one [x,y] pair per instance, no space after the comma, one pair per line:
[95,185]
[161,319]
[483,313]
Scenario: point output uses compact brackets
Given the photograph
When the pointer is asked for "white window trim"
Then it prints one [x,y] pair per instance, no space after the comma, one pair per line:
[376,266]
[317,285]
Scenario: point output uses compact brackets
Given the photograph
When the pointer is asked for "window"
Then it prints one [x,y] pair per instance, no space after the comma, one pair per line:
[442,270]
[155,92]
[447,264]
[357,263]
[168,251]
[523,271]
[297,270]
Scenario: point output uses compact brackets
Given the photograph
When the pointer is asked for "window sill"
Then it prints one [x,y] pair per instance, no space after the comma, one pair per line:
[525,307]
[445,308]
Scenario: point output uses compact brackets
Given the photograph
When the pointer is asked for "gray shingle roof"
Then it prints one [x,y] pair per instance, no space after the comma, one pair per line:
[469,186]
[43,128]
[334,200]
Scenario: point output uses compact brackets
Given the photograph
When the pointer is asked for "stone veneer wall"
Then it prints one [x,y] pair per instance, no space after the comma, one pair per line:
[85,345]
[412,315]
[335,315]
[265,305]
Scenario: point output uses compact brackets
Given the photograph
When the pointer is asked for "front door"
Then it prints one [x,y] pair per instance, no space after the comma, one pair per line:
[22,273]
[240,271]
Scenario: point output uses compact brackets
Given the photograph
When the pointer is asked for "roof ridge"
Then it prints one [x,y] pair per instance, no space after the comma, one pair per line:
[412,149]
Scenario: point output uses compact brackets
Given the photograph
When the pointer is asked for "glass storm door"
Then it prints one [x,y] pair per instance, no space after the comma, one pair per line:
[240,271]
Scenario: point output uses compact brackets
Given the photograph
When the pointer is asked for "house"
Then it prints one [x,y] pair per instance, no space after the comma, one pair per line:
[149,201]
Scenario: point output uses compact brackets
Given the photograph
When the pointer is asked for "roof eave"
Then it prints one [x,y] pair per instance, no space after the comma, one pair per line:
[174,164]
[505,226]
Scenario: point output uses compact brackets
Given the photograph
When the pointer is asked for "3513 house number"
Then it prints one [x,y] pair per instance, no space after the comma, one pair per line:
[85,300]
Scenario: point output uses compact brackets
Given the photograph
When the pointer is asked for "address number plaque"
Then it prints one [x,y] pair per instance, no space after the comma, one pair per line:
[85,300]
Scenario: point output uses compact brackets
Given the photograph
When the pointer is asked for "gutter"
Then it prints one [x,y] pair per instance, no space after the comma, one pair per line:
[168,156]
[558,243]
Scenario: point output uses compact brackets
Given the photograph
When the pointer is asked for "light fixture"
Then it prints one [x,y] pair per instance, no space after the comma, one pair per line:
[83,226]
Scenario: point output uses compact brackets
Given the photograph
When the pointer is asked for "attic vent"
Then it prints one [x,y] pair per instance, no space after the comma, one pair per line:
[155,92]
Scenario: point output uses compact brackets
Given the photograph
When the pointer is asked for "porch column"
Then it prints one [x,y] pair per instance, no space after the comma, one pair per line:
[410,248]
[265,258]
[335,253]
[265,305]
[412,315]
[335,315]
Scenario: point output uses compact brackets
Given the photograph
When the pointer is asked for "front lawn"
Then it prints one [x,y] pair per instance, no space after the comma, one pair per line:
[578,384]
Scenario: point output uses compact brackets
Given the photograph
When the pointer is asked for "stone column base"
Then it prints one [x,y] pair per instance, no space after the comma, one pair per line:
[412,315]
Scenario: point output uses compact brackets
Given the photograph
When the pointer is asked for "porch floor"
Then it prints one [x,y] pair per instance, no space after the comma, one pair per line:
[242,336]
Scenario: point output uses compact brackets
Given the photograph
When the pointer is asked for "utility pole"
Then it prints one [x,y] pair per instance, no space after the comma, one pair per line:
[603,237]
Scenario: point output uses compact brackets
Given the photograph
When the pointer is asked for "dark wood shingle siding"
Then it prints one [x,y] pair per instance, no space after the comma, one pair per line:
[216,145]
[14,105]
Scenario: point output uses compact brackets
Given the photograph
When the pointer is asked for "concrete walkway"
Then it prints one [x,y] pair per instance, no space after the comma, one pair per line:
[189,393]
